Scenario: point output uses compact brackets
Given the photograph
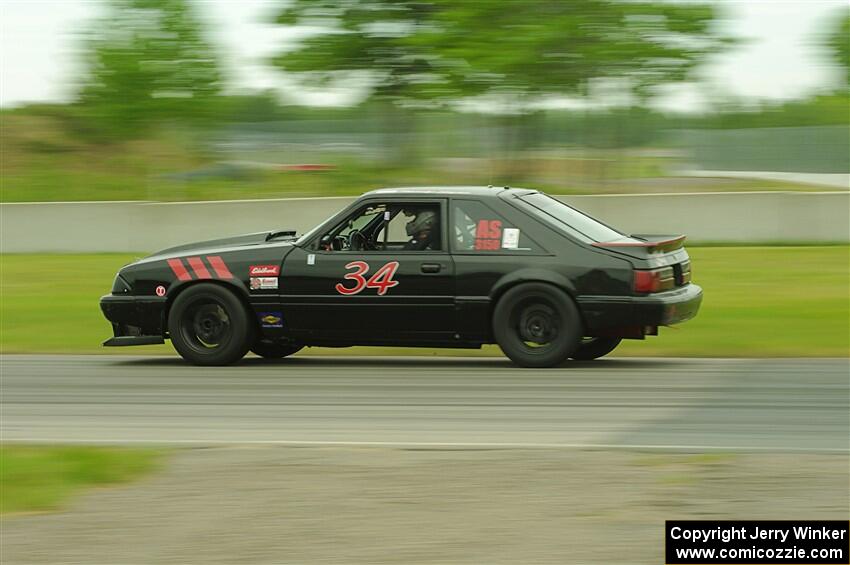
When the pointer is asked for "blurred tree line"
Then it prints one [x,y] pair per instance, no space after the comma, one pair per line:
[149,62]
[435,54]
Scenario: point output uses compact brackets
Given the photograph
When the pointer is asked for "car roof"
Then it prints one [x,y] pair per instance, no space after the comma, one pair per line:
[436,191]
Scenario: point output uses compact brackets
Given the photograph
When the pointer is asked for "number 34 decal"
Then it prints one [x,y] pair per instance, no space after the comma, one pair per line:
[382,280]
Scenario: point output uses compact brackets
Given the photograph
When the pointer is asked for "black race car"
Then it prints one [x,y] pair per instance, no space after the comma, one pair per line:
[448,267]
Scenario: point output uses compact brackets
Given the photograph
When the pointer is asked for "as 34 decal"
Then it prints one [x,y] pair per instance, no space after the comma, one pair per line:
[381,280]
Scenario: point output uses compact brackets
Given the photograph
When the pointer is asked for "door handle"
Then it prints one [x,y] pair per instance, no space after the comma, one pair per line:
[431,267]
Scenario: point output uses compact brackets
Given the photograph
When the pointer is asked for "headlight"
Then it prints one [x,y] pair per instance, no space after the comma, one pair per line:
[120,286]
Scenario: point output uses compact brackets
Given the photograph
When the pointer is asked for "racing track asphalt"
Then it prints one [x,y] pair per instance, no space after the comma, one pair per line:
[686,404]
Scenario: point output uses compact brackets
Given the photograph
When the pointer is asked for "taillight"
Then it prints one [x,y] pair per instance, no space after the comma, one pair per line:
[655,280]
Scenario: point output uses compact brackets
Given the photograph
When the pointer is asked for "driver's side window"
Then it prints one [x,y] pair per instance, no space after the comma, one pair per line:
[391,226]
[360,220]
[351,233]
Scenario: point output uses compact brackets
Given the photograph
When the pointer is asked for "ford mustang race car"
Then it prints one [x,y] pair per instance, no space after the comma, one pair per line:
[444,267]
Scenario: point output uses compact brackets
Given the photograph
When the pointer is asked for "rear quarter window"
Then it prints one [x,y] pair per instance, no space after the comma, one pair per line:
[566,218]
[477,228]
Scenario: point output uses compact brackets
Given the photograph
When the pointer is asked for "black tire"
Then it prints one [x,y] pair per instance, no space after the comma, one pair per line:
[209,325]
[595,347]
[537,325]
[271,350]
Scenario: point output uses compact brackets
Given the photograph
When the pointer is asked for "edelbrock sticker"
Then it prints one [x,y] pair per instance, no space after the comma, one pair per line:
[264,270]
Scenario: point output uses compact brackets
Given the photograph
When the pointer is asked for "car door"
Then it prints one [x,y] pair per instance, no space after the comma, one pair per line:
[384,291]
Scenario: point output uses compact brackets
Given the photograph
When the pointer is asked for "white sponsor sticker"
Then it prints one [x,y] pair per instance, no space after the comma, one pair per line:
[264,283]
[510,238]
[387,216]
[311,259]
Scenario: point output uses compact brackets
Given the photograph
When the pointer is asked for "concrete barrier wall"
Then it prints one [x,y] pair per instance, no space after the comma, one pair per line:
[755,217]
[65,227]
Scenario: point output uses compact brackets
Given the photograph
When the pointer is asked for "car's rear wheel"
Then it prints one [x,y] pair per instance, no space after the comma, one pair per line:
[272,350]
[209,325]
[537,325]
[595,347]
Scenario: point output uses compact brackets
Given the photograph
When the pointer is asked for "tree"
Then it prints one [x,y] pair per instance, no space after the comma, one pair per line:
[517,51]
[539,47]
[369,43]
[453,48]
[522,52]
[147,62]
[838,42]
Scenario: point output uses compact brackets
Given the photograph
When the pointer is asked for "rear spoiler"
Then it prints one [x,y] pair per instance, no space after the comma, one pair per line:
[651,243]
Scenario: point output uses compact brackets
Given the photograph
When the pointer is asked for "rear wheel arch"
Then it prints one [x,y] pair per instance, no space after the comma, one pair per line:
[534,276]
[531,275]
[567,289]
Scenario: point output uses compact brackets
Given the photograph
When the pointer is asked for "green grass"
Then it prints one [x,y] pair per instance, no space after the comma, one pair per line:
[49,303]
[39,478]
[763,302]
[759,301]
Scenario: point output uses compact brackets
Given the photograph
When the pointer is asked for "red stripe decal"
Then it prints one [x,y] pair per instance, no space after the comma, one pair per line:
[179,270]
[198,266]
[219,267]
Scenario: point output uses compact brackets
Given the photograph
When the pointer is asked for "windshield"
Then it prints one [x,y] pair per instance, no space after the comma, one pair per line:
[362,220]
[560,215]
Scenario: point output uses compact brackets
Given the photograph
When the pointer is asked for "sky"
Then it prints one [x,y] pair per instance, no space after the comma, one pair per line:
[779,57]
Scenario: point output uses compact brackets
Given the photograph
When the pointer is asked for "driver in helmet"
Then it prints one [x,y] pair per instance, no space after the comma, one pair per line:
[421,228]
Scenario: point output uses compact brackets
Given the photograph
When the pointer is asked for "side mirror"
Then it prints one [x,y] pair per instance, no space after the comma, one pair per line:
[325,241]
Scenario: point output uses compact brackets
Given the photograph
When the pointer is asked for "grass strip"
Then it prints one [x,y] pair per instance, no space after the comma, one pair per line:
[759,302]
[40,478]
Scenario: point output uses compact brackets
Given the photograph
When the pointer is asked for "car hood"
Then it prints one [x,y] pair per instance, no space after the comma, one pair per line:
[224,243]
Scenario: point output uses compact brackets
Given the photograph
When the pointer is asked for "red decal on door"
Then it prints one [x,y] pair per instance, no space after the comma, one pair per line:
[357,276]
[179,270]
[382,280]
[264,270]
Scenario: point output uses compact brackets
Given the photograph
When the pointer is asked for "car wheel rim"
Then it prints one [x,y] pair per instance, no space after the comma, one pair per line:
[206,325]
[537,325]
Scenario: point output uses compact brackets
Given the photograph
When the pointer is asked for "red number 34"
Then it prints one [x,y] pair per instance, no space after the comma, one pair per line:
[382,280]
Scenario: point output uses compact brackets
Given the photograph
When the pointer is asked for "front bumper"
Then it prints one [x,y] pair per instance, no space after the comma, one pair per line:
[136,320]
[660,309]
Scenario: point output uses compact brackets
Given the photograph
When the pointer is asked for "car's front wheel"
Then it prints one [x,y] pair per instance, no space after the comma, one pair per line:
[209,325]
[272,350]
[537,325]
[595,347]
